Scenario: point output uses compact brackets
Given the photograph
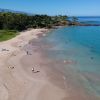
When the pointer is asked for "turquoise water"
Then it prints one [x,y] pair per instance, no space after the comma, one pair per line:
[90,20]
[81,46]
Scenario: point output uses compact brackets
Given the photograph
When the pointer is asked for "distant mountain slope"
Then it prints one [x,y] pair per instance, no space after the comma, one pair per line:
[8,10]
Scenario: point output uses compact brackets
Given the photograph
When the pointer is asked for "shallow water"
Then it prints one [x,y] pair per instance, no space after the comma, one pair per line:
[74,52]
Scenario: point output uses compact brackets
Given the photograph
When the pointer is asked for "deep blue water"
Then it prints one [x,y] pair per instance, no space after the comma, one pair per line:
[80,44]
[89,20]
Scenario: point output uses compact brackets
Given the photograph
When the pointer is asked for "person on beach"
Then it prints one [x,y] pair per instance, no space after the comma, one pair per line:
[27,52]
[34,70]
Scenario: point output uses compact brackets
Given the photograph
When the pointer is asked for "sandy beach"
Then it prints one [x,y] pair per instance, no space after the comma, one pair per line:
[17,79]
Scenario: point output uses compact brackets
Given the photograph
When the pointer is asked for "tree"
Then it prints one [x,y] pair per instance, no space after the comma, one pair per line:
[74,20]
[20,21]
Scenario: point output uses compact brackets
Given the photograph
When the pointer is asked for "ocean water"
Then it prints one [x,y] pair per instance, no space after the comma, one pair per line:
[88,19]
[79,46]
[75,52]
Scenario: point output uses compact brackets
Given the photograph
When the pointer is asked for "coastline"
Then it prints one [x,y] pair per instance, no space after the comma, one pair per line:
[17,81]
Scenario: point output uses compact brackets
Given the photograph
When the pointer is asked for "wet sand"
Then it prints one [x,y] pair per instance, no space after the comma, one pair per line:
[65,78]
[49,80]
[17,80]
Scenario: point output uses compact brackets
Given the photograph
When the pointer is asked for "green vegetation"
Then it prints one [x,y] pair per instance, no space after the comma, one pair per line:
[10,21]
[7,34]
[18,21]
[21,21]
[75,21]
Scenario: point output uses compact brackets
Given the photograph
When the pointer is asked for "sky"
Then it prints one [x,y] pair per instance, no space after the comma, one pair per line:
[54,7]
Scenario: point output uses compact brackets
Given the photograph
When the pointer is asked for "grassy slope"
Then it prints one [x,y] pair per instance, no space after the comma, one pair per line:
[7,34]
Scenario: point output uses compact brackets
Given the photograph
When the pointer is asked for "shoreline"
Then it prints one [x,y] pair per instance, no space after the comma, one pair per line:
[17,82]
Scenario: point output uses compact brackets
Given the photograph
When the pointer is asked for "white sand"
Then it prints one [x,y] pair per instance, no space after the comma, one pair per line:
[15,82]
